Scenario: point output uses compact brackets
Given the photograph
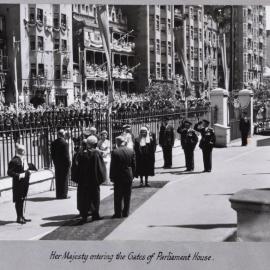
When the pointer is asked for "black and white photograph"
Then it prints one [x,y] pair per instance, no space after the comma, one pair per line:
[135,122]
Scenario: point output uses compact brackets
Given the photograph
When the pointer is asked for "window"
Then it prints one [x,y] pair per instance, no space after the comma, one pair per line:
[163,25]
[41,70]
[64,70]
[169,71]
[169,24]
[169,48]
[195,53]
[191,53]
[64,20]
[200,34]
[201,56]
[33,43]
[79,8]
[83,7]
[33,71]
[191,32]
[201,74]
[163,47]
[196,74]
[192,73]
[32,17]
[163,71]
[57,72]
[64,45]
[40,15]
[158,70]
[40,43]
[158,46]
[157,22]
[87,9]
[56,44]
[56,20]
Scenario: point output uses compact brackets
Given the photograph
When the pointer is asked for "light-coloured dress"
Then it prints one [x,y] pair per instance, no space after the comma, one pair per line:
[105,148]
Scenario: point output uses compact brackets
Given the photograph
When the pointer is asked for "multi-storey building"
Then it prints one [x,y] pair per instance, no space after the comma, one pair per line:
[43,34]
[250,44]
[199,32]
[89,53]
[267,56]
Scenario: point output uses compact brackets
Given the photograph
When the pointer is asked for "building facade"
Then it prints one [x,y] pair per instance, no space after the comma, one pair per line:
[250,46]
[89,53]
[43,38]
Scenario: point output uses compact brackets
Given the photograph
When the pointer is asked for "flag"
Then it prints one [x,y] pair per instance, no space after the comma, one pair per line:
[103,23]
[180,47]
[226,71]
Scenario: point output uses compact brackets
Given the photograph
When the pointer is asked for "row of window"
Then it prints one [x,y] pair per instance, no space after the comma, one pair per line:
[162,23]
[162,72]
[195,74]
[249,76]
[38,70]
[37,15]
[37,43]
[165,47]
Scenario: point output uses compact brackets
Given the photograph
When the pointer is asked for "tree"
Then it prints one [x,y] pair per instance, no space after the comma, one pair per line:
[161,92]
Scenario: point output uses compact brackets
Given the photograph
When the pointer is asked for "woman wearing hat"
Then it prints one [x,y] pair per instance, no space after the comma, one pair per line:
[145,148]
[105,148]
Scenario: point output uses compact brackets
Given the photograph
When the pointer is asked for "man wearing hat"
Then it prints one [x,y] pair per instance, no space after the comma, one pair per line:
[61,161]
[244,127]
[189,140]
[166,141]
[207,143]
[91,173]
[122,172]
[19,170]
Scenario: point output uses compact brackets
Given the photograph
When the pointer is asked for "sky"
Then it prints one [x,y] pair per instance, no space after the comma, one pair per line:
[267,17]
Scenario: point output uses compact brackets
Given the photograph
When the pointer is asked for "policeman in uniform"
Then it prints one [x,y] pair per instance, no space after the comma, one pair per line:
[189,140]
[207,143]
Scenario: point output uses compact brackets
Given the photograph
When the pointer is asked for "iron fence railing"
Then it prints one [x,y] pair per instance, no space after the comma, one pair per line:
[37,138]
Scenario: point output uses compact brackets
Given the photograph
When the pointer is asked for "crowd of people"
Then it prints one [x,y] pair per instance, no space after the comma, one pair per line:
[96,162]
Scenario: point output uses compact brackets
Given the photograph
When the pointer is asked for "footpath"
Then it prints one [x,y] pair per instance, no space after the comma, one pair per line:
[179,206]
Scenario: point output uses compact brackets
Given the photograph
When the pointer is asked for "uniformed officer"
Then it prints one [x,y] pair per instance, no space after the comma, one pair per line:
[207,143]
[189,140]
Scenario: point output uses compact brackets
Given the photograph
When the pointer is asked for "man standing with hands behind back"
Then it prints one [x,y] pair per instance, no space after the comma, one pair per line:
[166,141]
[122,172]
[61,161]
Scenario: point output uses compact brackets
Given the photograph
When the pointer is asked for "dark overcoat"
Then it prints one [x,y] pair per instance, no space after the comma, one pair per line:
[90,174]
[145,158]
[19,186]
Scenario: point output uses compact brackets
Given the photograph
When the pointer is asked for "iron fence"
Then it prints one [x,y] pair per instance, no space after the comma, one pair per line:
[37,140]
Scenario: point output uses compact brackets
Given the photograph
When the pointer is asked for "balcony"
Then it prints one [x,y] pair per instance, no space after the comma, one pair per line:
[123,46]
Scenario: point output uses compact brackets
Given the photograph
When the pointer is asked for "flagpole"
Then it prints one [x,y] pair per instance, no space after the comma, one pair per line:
[15,74]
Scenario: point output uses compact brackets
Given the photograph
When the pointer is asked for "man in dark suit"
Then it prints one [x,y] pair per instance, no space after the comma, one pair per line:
[61,161]
[122,170]
[207,143]
[244,127]
[19,170]
[189,140]
[166,141]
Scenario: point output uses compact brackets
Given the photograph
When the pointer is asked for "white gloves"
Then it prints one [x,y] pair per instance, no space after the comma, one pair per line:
[22,175]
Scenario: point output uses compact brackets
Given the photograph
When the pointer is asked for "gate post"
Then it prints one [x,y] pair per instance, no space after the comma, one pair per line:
[246,101]
[219,99]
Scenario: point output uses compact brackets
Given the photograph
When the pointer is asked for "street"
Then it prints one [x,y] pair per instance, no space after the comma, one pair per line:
[179,206]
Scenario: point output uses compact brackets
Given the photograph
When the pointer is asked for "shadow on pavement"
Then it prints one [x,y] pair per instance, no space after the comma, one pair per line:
[181,167]
[5,222]
[61,217]
[255,173]
[199,226]
[180,172]
[41,199]
[221,194]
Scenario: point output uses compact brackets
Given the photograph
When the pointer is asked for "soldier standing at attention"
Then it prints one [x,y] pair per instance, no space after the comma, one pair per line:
[189,139]
[207,143]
